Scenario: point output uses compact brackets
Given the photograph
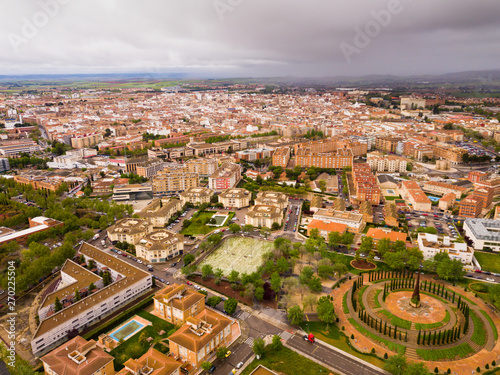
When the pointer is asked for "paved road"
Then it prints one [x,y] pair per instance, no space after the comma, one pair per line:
[334,359]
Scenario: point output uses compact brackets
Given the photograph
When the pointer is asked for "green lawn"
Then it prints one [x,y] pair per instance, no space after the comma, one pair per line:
[197,227]
[488,261]
[396,321]
[493,327]
[335,337]
[360,296]
[132,348]
[479,334]
[288,362]
[344,304]
[390,344]
[424,326]
[461,351]
[376,302]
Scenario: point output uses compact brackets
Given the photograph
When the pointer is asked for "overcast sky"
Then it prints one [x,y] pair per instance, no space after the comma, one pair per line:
[249,38]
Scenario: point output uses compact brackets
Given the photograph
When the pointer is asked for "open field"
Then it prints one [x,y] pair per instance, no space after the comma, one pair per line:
[238,253]
[488,261]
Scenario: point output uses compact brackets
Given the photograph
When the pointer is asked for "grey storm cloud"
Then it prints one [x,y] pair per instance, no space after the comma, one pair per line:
[249,37]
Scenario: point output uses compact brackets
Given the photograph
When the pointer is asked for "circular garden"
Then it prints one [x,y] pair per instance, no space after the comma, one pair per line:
[423,319]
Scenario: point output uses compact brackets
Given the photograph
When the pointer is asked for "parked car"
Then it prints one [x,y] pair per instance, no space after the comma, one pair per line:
[239,365]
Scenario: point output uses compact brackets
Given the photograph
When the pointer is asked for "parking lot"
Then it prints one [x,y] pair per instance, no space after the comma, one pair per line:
[426,220]
[474,149]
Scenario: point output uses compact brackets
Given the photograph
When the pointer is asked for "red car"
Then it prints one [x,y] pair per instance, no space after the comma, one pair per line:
[189,283]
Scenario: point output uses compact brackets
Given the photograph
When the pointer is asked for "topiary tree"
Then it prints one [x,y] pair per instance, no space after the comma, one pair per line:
[436,370]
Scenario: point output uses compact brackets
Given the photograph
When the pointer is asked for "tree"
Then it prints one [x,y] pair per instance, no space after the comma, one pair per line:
[248,228]
[233,276]
[230,305]
[259,293]
[309,300]
[322,185]
[221,352]
[295,315]
[282,265]
[334,239]
[205,366]
[235,228]
[265,231]
[495,295]
[218,273]
[206,271]
[383,246]
[325,309]
[214,301]
[366,245]
[340,269]
[325,269]
[275,226]
[306,275]
[315,285]
[259,346]
[57,305]
[188,259]
[450,269]
[77,295]
[396,364]
[276,343]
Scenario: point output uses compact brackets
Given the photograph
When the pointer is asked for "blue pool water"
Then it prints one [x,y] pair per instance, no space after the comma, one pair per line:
[127,331]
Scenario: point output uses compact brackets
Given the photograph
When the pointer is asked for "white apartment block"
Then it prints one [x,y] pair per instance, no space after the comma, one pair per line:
[129,282]
[386,163]
[431,244]
[484,233]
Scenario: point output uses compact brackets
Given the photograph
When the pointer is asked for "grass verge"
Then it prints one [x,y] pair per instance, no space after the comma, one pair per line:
[493,327]
[344,304]
[286,361]
[424,326]
[461,351]
[376,302]
[360,296]
[389,344]
[488,261]
[479,334]
[395,320]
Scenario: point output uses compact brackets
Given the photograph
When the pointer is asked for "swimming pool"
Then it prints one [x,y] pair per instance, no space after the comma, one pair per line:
[126,331]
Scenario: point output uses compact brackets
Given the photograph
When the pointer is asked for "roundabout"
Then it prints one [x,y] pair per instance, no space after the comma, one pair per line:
[449,328]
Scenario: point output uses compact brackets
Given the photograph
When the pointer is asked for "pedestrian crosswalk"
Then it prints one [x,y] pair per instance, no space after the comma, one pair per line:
[243,315]
[285,335]
[249,341]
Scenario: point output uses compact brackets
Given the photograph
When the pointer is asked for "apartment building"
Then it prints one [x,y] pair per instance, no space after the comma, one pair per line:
[320,146]
[445,151]
[472,206]
[387,144]
[382,233]
[196,195]
[412,192]
[272,198]
[153,362]
[4,165]
[150,168]
[491,183]
[235,198]
[365,209]
[339,159]
[128,283]
[365,184]
[477,176]
[160,246]
[132,192]
[254,154]
[129,230]
[159,211]
[86,140]
[484,233]
[324,228]
[386,163]
[225,177]
[201,149]
[173,183]
[331,183]
[486,194]
[353,221]
[442,188]
[13,148]
[281,157]
[175,303]
[264,216]
[78,356]
[431,244]
[36,225]
[203,166]
[391,216]
[447,201]
[40,182]
[199,338]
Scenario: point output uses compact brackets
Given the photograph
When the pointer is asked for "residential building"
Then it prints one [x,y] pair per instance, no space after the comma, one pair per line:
[381,233]
[477,176]
[354,221]
[442,188]
[37,224]
[78,356]
[4,165]
[199,338]
[447,201]
[325,228]
[159,211]
[331,183]
[253,174]
[339,159]
[365,184]
[235,198]
[486,193]
[272,198]
[471,206]
[153,362]
[484,233]
[203,166]
[13,148]
[175,303]
[386,163]
[201,149]
[225,177]
[173,183]
[149,168]
[196,195]
[132,192]
[391,216]
[254,154]
[366,209]
[86,140]
[160,246]
[128,283]
[412,192]
[431,244]
[281,157]
[264,216]
[129,230]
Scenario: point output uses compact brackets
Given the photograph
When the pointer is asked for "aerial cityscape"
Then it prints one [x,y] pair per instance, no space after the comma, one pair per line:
[255,188]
